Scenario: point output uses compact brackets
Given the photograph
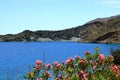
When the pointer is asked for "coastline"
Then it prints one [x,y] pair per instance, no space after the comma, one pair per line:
[99,42]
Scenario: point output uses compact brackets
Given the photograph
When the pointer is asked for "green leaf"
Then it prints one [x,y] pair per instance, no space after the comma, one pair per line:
[70,70]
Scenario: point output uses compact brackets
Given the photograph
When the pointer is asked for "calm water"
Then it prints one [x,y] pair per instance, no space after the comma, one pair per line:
[15,57]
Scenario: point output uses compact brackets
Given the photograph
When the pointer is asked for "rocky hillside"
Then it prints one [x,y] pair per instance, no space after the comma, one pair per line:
[105,30]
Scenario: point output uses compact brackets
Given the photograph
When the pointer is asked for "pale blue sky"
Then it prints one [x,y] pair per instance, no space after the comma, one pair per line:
[19,15]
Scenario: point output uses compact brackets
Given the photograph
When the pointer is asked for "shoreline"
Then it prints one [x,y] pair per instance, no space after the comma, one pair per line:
[65,41]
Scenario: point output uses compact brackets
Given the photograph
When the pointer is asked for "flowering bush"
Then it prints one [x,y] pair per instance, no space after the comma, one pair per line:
[92,67]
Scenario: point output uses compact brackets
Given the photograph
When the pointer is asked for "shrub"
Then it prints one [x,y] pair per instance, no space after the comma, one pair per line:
[116,55]
[92,67]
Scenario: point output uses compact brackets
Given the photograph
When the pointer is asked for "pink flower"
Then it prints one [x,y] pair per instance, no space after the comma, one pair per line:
[58,65]
[82,61]
[67,61]
[80,73]
[38,62]
[48,65]
[83,75]
[55,63]
[94,67]
[101,57]
[71,59]
[115,69]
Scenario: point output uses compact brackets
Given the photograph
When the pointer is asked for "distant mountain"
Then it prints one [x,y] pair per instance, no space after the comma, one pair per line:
[103,19]
[105,30]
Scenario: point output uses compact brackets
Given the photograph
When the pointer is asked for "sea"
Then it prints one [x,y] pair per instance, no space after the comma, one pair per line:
[18,58]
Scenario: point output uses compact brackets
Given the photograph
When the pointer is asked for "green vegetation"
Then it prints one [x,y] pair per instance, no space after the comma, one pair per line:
[116,55]
[92,67]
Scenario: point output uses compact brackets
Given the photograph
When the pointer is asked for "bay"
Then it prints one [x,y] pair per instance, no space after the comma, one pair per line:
[17,58]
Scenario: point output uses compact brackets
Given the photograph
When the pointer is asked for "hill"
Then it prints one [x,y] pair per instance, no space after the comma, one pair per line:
[105,30]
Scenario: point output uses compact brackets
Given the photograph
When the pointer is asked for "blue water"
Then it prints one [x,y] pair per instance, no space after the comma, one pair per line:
[15,57]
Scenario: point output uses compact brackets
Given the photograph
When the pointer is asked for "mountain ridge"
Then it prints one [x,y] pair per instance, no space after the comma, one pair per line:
[103,30]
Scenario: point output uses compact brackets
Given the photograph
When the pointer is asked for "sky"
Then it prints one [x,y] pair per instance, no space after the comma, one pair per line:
[19,15]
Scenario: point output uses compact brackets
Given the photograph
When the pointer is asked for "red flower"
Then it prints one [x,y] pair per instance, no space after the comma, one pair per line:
[101,57]
[67,61]
[38,62]
[80,73]
[83,75]
[48,65]
[58,65]
[115,69]
[55,63]
[82,61]
[71,59]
